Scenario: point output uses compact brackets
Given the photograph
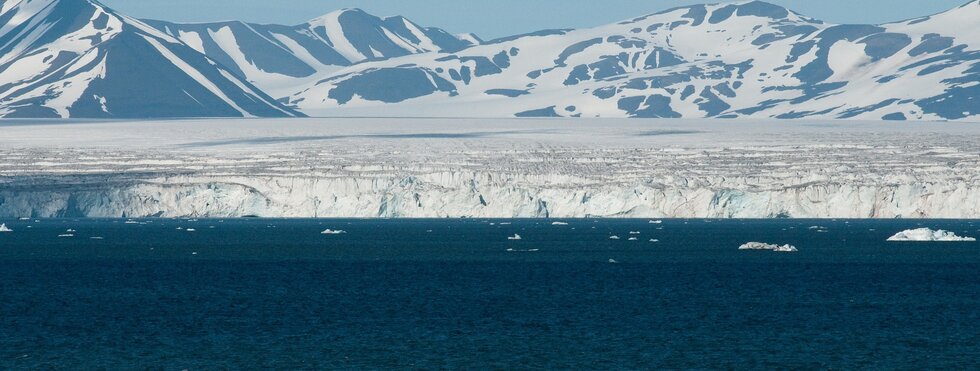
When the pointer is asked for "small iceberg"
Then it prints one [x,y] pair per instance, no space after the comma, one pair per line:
[613,261]
[766,246]
[66,235]
[515,237]
[656,222]
[331,231]
[3,228]
[634,239]
[559,223]
[928,235]
[636,232]
[191,230]
[654,240]
[613,237]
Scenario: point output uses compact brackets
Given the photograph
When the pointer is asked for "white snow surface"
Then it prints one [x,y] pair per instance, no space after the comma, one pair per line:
[547,168]
[928,235]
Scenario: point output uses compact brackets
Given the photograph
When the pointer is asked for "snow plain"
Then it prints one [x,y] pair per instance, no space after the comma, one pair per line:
[396,167]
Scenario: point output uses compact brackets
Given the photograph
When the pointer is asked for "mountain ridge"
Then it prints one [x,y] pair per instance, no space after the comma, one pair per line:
[748,59]
[743,59]
[78,58]
[277,57]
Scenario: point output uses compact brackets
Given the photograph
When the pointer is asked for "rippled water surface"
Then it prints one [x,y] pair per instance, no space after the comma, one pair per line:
[256,293]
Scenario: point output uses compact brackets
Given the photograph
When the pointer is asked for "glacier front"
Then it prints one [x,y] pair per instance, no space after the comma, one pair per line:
[565,168]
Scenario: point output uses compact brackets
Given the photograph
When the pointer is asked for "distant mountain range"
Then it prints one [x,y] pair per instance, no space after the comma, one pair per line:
[76,58]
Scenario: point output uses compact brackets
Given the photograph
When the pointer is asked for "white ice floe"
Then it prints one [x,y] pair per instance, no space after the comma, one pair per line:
[331,231]
[654,240]
[3,228]
[766,246]
[635,233]
[928,235]
[559,223]
[613,237]
[515,237]
[66,235]
[613,261]
[191,230]
[656,222]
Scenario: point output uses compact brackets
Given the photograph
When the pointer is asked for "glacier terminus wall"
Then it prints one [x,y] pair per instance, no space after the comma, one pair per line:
[392,168]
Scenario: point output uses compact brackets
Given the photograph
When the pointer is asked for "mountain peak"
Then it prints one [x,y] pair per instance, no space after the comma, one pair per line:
[335,15]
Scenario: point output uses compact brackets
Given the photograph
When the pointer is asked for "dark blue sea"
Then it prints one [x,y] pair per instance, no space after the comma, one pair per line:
[457,294]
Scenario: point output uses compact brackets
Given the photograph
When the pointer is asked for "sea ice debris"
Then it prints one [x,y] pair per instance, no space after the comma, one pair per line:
[766,246]
[928,235]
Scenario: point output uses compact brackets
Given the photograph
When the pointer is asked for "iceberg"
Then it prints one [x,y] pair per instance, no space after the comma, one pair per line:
[333,232]
[559,223]
[928,235]
[766,246]
[3,228]
[515,237]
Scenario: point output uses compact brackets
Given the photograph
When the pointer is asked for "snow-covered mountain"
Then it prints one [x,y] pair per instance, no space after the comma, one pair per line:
[277,58]
[744,59]
[78,58]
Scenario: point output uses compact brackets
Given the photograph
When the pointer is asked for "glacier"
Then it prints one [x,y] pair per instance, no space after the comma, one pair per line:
[554,168]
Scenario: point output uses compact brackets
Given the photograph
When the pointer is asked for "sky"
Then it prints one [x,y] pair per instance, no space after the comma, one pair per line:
[497,18]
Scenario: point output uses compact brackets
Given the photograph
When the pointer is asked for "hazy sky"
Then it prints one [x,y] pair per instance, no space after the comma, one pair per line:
[496,18]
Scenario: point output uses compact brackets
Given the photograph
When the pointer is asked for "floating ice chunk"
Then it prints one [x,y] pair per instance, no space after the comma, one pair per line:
[3,228]
[515,237]
[613,237]
[613,261]
[559,223]
[71,231]
[191,230]
[634,233]
[656,222]
[766,246]
[928,235]
[331,231]
[654,240]
[634,239]
[66,235]
[131,222]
